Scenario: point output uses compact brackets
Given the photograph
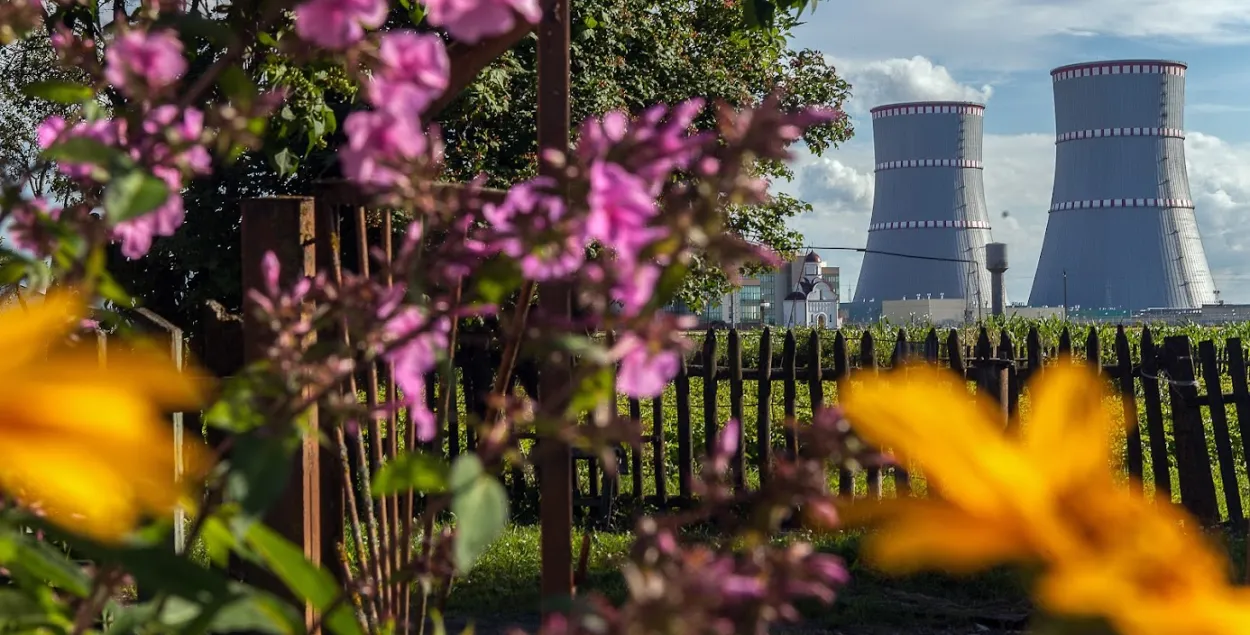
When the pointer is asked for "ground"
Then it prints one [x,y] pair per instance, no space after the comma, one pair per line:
[502,592]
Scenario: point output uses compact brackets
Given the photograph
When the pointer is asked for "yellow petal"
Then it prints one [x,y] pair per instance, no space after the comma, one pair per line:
[142,372]
[25,334]
[928,416]
[940,537]
[1069,428]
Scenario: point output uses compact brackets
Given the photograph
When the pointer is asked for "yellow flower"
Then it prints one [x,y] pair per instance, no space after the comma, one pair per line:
[1046,497]
[89,447]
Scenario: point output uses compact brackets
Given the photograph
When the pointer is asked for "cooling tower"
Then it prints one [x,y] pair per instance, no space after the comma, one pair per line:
[1121,223]
[929,201]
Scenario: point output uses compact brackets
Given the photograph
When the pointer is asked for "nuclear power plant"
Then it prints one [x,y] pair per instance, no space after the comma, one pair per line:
[1121,231]
[928,212]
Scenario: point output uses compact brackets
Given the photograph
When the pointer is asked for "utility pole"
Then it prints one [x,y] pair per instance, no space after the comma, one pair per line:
[1065,295]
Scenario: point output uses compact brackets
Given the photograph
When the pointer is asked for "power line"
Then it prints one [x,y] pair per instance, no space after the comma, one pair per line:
[865,250]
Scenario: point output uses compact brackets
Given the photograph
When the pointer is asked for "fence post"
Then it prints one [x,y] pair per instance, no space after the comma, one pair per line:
[1128,402]
[285,226]
[735,410]
[709,393]
[1219,428]
[1065,342]
[841,372]
[790,377]
[685,440]
[764,397]
[1159,462]
[1192,464]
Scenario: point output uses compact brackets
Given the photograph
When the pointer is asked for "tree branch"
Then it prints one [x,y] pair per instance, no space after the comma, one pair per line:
[469,60]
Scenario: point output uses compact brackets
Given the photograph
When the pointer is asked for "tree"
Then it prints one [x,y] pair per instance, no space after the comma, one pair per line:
[627,54]
[22,64]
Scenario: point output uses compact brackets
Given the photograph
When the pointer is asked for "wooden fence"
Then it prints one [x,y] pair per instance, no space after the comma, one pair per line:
[1187,444]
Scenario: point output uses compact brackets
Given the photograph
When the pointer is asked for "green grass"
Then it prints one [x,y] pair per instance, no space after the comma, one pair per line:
[504,584]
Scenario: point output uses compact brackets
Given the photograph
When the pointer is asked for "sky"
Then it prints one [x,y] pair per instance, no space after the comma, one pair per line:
[1000,53]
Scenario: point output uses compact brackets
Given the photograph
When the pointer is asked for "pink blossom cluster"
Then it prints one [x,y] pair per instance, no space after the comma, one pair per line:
[340,24]
[142,64]
[417,341]
[28,222]
[533,227]
[383,144]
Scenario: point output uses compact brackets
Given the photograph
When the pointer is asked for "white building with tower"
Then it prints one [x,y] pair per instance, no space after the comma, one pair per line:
[811,301]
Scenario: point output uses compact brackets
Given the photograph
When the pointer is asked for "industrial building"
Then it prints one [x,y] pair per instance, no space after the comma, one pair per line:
[929,202]
[1121,232]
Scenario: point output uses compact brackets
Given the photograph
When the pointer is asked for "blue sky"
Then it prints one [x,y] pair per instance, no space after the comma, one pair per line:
[1000,52]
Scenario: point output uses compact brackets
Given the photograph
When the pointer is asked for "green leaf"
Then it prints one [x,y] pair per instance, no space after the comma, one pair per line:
[218,541]
[59,92]
[39,560]
[267,39]
[237,85]
[496,279]
[134,194]
[481,508]
[260,467]
[21,613]
[590,22]
[285,162]
[306,580]
[594,389]
[412,471]
[84,150]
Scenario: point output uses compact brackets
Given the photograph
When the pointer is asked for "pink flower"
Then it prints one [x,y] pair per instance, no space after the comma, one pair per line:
[26,229]
[414,72]
[55,129]
[378,144]
[528,228]
[152,58]
[338,24]
[183,128]
[726,441]
[136,234]
[621,207]
[271,269]
[413,359]
[635,287]
[644,371]
[472,20]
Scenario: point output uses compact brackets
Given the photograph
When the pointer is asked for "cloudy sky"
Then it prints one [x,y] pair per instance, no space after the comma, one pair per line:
[1000,52]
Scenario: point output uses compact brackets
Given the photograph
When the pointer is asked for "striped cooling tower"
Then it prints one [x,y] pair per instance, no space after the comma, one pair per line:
[1121,224]
[929,201]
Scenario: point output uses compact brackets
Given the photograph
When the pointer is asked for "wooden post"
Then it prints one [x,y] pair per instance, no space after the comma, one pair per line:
[1193,465]
[556,457]
[1128,402]
[1154,416]
[709,392]
[764,407]
[1219,428]
[685,437]
[285,226]
[738,461]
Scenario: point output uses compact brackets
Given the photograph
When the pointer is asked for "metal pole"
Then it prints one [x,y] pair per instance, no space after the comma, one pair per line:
[1065,295]
[556,458]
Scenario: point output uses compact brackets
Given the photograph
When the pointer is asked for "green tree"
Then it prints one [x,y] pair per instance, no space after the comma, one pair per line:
[626,54]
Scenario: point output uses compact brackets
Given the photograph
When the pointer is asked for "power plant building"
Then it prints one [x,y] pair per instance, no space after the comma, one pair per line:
[929,202]
[1121,231]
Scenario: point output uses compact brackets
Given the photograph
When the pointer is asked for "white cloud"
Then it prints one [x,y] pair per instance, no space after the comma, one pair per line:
[1015,34]
[912,79]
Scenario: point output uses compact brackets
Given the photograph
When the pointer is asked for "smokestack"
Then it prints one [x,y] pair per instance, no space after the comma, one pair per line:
[996,263]
[929,201]
[1121,221]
